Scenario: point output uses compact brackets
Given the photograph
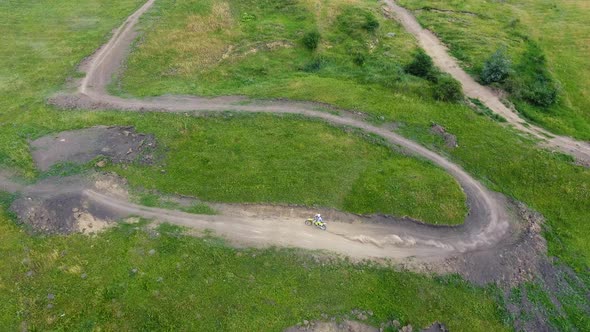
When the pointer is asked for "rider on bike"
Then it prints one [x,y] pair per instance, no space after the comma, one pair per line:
[318,219]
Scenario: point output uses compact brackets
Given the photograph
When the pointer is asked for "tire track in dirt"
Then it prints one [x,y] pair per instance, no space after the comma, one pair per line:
[486,227]
[445,62]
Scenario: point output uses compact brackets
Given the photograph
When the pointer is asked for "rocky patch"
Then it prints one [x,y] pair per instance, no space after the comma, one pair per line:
[450,139]
[119,144]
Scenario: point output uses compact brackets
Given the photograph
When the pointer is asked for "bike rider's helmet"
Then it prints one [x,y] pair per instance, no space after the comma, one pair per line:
[318,215]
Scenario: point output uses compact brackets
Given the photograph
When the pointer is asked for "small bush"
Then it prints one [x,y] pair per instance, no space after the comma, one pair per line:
[496,68]
[247,17]
[371,24]
[311,40]
[314,64]
[421,65]
[447,89]
[359,58]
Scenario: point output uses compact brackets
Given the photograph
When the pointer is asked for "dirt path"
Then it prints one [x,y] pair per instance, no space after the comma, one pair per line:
[439,54]
[488,227]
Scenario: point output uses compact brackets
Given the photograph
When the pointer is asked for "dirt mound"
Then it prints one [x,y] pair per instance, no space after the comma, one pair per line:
[61,214]
[450,139]
[119,144]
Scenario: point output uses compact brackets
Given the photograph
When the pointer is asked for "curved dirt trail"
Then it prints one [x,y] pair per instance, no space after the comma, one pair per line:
[486,226]
[439,54]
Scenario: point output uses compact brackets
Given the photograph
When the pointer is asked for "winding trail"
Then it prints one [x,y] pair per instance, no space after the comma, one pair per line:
[487,226]
[444,61]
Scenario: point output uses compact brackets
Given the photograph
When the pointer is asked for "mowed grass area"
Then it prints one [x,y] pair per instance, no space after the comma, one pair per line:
[476,29]
[136,277]
[244,158]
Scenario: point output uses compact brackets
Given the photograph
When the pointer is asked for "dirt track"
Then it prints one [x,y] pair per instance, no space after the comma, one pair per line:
[490,227]
[439,54]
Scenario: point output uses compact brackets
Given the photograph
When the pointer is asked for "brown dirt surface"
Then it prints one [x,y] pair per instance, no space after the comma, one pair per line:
[61,205]
[482,254]
[519,259]
[345,326]
[354,326]
[119,144]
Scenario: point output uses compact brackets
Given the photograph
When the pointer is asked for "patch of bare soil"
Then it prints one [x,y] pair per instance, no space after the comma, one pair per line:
[346,326]
[354,326]
[119,144]
[516,259]
[60,205]
[61,214]
[450,139]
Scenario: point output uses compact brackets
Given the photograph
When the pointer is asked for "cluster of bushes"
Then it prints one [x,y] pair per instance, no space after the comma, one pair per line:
[353,21]
[445,87]
[357,24]
[354,24]
[533,83]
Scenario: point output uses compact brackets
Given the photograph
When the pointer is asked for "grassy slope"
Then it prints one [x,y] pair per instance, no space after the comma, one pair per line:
[45,42]
[282,159]
[260,41]
[500,157]
[559,27]
[23,115]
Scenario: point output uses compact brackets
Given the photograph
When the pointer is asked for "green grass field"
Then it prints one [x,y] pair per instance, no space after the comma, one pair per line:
[284,159]
[46,41]
[475,29]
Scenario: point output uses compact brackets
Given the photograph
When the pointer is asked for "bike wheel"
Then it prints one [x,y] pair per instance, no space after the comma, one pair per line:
[308,222]
[323,227]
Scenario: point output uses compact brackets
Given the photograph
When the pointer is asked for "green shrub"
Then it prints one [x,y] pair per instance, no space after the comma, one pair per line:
[540,92]
[311,40]
[314,64]
[496,68]
[371,24]
[421,65]
[448,89]
[359,58]
[534,83]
